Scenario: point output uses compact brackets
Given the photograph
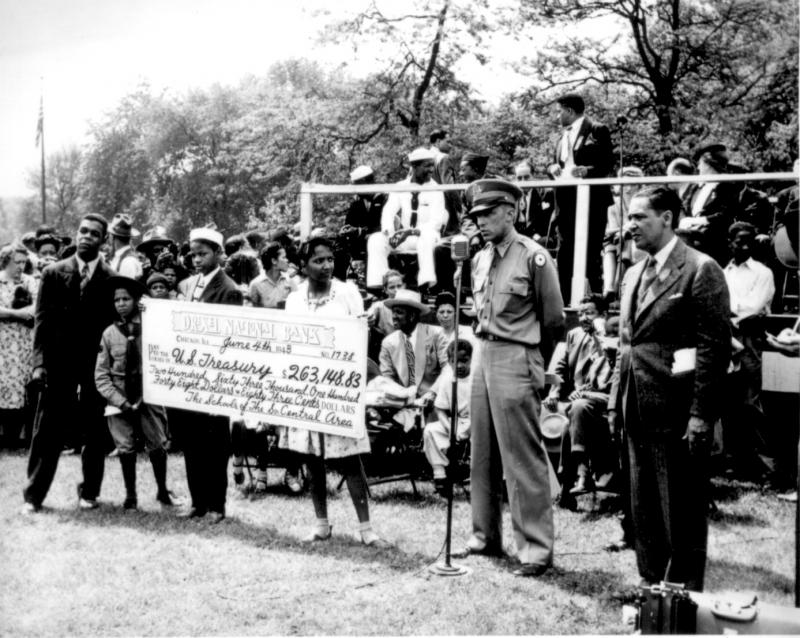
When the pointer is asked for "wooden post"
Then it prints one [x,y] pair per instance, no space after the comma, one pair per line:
[578,287]
[306,211]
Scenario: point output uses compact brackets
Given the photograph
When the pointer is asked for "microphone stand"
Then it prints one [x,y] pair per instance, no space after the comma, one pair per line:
[446,568]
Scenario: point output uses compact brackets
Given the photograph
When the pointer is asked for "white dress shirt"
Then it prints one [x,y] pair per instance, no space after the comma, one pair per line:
[662,255]
[431,212]
[131,267]
[751,286]
[201,283]
[568,139]
[92,264]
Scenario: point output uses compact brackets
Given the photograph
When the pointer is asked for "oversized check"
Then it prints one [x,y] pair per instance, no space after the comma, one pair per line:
[302,371]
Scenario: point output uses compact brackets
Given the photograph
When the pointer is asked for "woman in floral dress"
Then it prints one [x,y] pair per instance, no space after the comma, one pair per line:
[17,296]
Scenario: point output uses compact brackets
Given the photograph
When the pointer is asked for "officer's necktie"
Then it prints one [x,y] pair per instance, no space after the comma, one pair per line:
[414,207]
[410,362]
[648,277]
[84,276]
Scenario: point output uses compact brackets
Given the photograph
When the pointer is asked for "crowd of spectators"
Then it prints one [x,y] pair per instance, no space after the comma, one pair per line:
[395,249]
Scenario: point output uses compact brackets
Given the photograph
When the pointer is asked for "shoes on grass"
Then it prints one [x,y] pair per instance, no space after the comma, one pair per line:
[319,533]
[88,504]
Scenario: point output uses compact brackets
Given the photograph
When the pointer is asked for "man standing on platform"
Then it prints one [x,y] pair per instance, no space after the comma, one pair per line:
[72,311]
[675,344]
[583,151]
[519,318]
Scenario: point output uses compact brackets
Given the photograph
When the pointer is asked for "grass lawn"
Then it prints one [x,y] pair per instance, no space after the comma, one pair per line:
[109,572]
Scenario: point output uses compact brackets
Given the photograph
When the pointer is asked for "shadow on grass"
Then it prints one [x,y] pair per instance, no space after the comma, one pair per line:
[727,575]
[725,520]
[597,584]
[261,536]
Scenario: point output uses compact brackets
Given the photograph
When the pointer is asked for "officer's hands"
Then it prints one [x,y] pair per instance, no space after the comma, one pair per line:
[698,436]
[39,377]
[551,403]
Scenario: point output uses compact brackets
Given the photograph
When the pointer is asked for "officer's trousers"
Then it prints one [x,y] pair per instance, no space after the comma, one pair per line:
[506,440]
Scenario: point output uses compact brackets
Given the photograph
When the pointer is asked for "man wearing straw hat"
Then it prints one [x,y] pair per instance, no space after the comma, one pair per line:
[415,353]
[411,222]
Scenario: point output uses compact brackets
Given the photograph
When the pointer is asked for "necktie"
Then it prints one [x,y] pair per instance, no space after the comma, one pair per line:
[648,277]
[198,289]
[133,369]
[566,147]
[410,362]
[84,276]
[414,207]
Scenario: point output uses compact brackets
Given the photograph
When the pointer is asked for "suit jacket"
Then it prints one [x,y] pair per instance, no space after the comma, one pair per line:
[69,322]
[221,289]
[689,308]
[592,148]
[430,356]
[576,361]
[721,209]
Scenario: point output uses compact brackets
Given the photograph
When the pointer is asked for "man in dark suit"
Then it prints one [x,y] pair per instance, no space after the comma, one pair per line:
[72,311]
[207,440]
[675,344]
[583,151]
[710,208]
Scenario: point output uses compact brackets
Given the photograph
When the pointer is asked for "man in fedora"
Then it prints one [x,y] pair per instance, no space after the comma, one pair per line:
[154,242]
[415,353]
[124,259]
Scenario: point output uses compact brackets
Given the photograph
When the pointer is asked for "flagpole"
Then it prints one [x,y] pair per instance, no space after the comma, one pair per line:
[41,140]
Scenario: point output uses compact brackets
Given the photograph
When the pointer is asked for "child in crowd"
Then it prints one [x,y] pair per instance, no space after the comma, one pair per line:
[380,317]
[436,436]
[118,376]
[158,286]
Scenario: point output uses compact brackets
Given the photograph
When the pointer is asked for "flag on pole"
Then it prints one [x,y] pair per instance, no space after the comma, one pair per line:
[40,122]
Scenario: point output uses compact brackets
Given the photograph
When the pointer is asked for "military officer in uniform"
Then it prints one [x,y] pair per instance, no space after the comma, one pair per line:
[520,316]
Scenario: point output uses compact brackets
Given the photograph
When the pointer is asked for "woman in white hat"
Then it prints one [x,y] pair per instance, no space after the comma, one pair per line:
[321,294]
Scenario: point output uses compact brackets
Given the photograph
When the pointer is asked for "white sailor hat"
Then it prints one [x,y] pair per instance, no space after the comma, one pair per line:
[360,173]
[208,235]
[420,154]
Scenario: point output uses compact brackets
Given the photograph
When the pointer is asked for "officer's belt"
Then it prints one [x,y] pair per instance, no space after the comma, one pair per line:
[487,337]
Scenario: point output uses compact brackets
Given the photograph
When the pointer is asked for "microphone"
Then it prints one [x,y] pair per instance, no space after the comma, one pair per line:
[622,121]
[459,248]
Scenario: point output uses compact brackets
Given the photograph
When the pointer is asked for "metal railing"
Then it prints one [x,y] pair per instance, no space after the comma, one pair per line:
[577,286]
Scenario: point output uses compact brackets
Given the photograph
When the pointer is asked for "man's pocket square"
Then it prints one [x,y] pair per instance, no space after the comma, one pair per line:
[677,295]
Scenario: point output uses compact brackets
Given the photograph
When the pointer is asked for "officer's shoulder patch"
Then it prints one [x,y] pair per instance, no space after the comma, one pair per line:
[539,259]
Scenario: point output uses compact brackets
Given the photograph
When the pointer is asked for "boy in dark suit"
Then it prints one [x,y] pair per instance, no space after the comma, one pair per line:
[71,314]
[207,440]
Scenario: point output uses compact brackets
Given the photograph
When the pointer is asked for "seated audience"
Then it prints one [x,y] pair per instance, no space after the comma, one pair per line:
[414,354]
[585,374]
[411,223]
[745,429]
